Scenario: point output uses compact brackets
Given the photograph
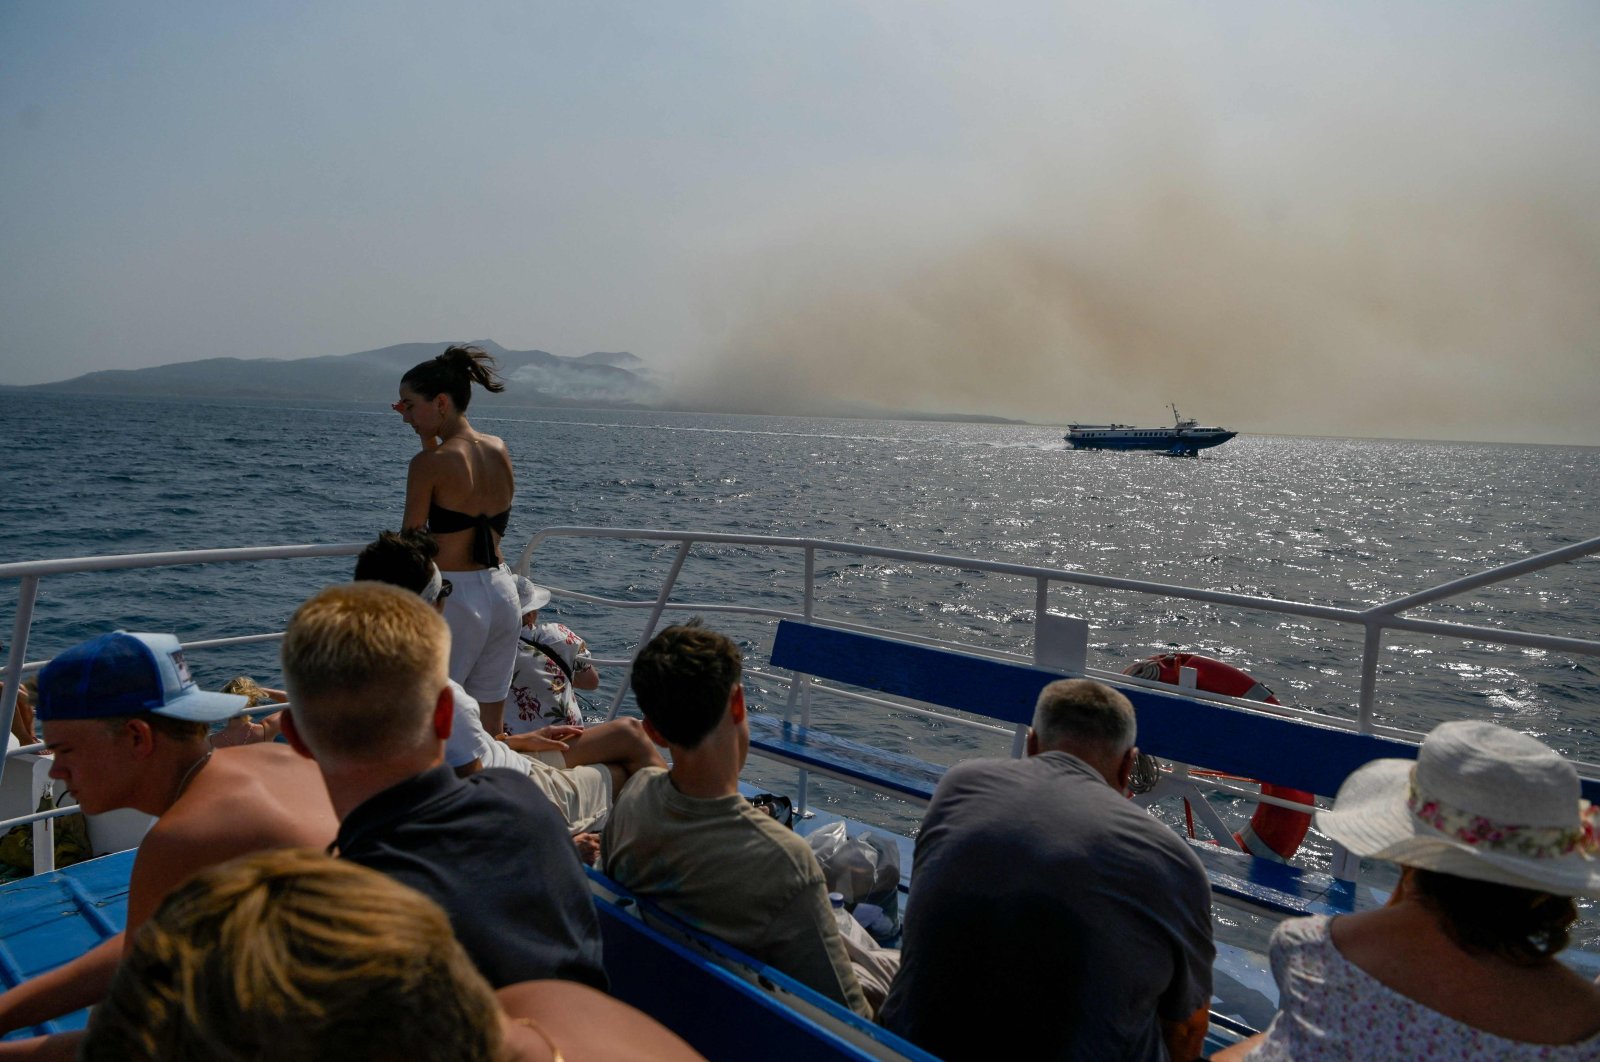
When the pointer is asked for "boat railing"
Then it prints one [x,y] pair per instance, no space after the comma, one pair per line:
[29,575]
[1374,622]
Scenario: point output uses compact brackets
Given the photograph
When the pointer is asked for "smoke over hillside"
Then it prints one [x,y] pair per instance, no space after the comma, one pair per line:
[1363,259]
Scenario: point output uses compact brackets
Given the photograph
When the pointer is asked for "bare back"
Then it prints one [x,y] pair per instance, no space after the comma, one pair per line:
[469,473]
[244,799]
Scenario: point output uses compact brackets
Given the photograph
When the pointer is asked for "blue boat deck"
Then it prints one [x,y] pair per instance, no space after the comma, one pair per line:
[51,919]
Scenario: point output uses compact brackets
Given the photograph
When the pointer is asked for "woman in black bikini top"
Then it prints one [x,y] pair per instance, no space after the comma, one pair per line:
[460,488]
[486,530]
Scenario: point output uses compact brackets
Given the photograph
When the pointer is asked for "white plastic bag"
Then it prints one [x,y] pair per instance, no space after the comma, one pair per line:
[863,869]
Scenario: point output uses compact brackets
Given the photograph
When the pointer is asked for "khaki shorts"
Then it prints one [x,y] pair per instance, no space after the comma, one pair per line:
[581,794]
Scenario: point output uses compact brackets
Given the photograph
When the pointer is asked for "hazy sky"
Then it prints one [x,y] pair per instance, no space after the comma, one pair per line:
[1351,218]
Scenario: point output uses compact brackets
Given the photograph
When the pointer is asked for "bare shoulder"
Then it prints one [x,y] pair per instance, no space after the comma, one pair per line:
[258,796]
[430,465]
[494,449]
[1582,993]
[584,1023]
[245,799]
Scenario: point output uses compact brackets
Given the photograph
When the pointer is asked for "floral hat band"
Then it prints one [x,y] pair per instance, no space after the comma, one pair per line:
[1479,802]
[1530,842]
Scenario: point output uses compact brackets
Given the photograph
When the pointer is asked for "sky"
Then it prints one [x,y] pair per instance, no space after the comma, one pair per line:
[1334,219]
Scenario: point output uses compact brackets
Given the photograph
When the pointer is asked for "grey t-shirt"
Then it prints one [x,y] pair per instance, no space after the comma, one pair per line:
[1049,911]
[733,872]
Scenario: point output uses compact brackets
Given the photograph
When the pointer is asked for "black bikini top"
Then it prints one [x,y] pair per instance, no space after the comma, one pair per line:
[485,550]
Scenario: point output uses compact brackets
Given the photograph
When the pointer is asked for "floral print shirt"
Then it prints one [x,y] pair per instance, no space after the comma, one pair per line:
[540,693]
[1329,1008]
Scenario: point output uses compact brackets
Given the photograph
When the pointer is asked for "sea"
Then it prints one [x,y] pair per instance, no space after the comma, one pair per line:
[1343,522]
[1348,523]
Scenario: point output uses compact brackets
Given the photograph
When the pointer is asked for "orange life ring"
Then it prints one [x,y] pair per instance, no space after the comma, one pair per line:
[1273,832]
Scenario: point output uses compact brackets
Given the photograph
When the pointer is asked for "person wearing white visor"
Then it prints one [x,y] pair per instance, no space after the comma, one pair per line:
[553,662]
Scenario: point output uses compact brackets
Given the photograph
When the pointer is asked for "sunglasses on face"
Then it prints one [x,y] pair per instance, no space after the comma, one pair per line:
[444,589]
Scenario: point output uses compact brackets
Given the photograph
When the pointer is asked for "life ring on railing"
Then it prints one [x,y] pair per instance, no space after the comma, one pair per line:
[1273,832]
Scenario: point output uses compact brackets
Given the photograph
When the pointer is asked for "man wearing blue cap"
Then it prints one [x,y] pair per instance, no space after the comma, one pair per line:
[127,726]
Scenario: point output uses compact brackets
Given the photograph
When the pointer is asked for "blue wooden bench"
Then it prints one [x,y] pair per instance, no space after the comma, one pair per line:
[742,1008]
[1286,752]
[1221,737]
[723,1002]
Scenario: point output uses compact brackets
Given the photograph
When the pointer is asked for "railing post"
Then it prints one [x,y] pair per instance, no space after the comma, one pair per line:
[27,593]
[800,685]
[1369,676]
[44,830]
[650,625]
[811,583]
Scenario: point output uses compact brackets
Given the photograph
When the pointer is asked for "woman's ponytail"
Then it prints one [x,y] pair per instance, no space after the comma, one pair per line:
[453,373]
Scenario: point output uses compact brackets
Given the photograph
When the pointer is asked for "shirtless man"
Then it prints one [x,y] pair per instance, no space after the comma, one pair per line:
[128,729]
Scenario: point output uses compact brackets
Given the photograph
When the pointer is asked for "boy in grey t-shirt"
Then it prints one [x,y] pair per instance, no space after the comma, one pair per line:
[688,840]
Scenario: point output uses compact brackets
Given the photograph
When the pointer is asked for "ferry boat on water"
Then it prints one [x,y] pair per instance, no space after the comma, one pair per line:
[839,697]
[1186,438]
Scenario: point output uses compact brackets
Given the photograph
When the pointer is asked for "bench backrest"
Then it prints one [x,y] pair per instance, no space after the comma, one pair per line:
[1270,748]
[711,1006]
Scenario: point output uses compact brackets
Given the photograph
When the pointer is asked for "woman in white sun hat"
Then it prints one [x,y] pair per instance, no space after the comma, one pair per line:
[1493,842]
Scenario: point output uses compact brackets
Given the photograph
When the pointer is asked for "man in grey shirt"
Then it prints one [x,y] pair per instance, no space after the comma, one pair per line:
[688,840]
[1048,910]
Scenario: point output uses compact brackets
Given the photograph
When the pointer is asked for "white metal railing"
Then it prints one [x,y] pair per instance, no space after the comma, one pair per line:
[29,575]
[1373,622]
[1177,781]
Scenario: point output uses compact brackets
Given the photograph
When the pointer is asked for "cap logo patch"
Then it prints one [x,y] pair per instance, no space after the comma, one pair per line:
[184,678]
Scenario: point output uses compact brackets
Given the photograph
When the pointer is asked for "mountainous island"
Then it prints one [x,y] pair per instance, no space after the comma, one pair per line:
[533,378]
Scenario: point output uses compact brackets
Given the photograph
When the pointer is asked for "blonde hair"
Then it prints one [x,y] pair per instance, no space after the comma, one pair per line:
[290,954]
[245,686]
[364,663]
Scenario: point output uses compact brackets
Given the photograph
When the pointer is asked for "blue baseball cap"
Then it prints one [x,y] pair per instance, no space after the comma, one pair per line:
[128,674]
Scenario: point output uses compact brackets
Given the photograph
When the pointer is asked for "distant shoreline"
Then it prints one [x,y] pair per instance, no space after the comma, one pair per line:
[501,405]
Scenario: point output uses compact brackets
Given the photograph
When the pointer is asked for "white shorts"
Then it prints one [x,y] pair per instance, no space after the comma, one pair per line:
[582,794]
[485,617]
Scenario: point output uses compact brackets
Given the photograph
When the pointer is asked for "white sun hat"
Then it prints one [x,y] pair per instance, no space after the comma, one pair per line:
[1479,802]
[531,594]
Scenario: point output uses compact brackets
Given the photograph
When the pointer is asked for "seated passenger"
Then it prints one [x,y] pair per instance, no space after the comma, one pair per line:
[688,840]
[579,769]
[22,727]
[370,699]
[1493,843]
[242,729]
[127,727]
[293,956]
[1050,894]
[552,663]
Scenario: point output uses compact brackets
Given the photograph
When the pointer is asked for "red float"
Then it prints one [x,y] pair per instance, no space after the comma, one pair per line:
[1273,832]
